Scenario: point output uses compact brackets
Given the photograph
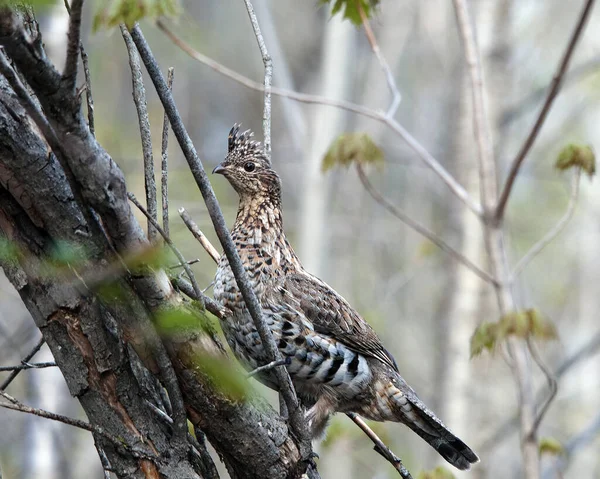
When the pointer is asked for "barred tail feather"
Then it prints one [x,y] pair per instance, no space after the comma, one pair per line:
[409,409]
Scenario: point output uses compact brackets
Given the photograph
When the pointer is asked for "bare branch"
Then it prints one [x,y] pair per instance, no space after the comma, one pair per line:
[27,358]
[268,77]
[139,98]
[554,232]
[267,367]
[494,242]
[88,80]
[190,262]
[164,169]
[215,308]
[203,240]
[27,365]
[481,128]
[297,422]
[552,384]
[15,405]
[171,245]
[69,76]
[379,116]
[552,92]
[419,228]
[389,76]
[588,349]
[380,447]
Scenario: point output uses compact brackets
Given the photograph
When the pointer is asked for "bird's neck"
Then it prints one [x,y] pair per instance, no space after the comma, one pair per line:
[258,231]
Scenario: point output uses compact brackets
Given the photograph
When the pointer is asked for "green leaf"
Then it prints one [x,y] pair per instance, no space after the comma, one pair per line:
[484,337]
[578,156]
[550,445]
[173,321]
[351,8]
[439,472]
[352,147]
[526,323]
[115,12]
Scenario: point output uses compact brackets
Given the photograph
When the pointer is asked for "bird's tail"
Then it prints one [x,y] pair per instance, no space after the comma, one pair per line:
[406,407]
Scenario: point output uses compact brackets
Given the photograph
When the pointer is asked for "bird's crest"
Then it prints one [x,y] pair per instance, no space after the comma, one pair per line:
[242,144]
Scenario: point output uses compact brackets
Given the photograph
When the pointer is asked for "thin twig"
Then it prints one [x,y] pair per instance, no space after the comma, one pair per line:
[419,228]
[27,358]
[195,230]
[389,76]
[297,423]
[106,467]
[379,116]
[380,447]
[69,76]
[554,232]
[27,365]
[16,405]
[164,164]
[171,245]
[88,80]
[139,98]
[552,384]
[588,349]
[268,63]
[267,367]
[215,308]
[179,265]
[552,92]
[159,412]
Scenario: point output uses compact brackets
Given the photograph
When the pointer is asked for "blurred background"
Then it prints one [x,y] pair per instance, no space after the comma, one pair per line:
[423,304]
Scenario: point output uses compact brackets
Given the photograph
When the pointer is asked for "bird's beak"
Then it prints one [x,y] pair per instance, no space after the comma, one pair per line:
[219,169]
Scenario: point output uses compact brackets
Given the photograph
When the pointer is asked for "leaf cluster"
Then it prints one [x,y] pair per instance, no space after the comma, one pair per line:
[115,12]
[349,148]
[351,8]
[522,324]
[577,156]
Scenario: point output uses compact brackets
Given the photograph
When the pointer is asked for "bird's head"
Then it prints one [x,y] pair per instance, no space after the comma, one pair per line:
[247,167]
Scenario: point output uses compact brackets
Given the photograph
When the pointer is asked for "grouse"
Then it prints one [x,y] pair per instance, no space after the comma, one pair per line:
[335,359]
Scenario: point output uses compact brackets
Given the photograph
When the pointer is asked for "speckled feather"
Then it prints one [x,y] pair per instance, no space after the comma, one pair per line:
[336,360]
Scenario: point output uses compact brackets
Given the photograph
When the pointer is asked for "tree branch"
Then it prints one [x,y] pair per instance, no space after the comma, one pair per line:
[27,358]
[381,117]
[380,447]
[139,98]
[171,245]
[297,418]
[164,177]
[419,228]
[69,76]
[27,365]
[203,240]
[389,76]
[15,405]
[268,77]
[554,232]
[552,92]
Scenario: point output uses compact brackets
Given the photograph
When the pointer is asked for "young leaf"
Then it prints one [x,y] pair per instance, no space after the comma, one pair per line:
[352,147]
[351,8]
[579,156]
[484,337]
[128,12]
[550,445]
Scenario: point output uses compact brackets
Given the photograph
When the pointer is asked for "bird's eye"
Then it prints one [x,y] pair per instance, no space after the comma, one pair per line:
[249,166]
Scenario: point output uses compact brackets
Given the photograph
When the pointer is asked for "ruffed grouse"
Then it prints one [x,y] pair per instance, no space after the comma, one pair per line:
[336,361]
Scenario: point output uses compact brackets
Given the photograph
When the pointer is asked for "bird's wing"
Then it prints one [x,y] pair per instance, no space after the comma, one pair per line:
[331,314]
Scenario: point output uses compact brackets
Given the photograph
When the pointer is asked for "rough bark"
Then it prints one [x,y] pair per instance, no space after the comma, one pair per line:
[57,184]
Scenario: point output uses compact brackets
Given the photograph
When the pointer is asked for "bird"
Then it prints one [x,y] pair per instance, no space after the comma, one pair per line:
[335,359]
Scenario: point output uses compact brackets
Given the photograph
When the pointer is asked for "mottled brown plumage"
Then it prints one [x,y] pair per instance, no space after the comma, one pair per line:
[336,360]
